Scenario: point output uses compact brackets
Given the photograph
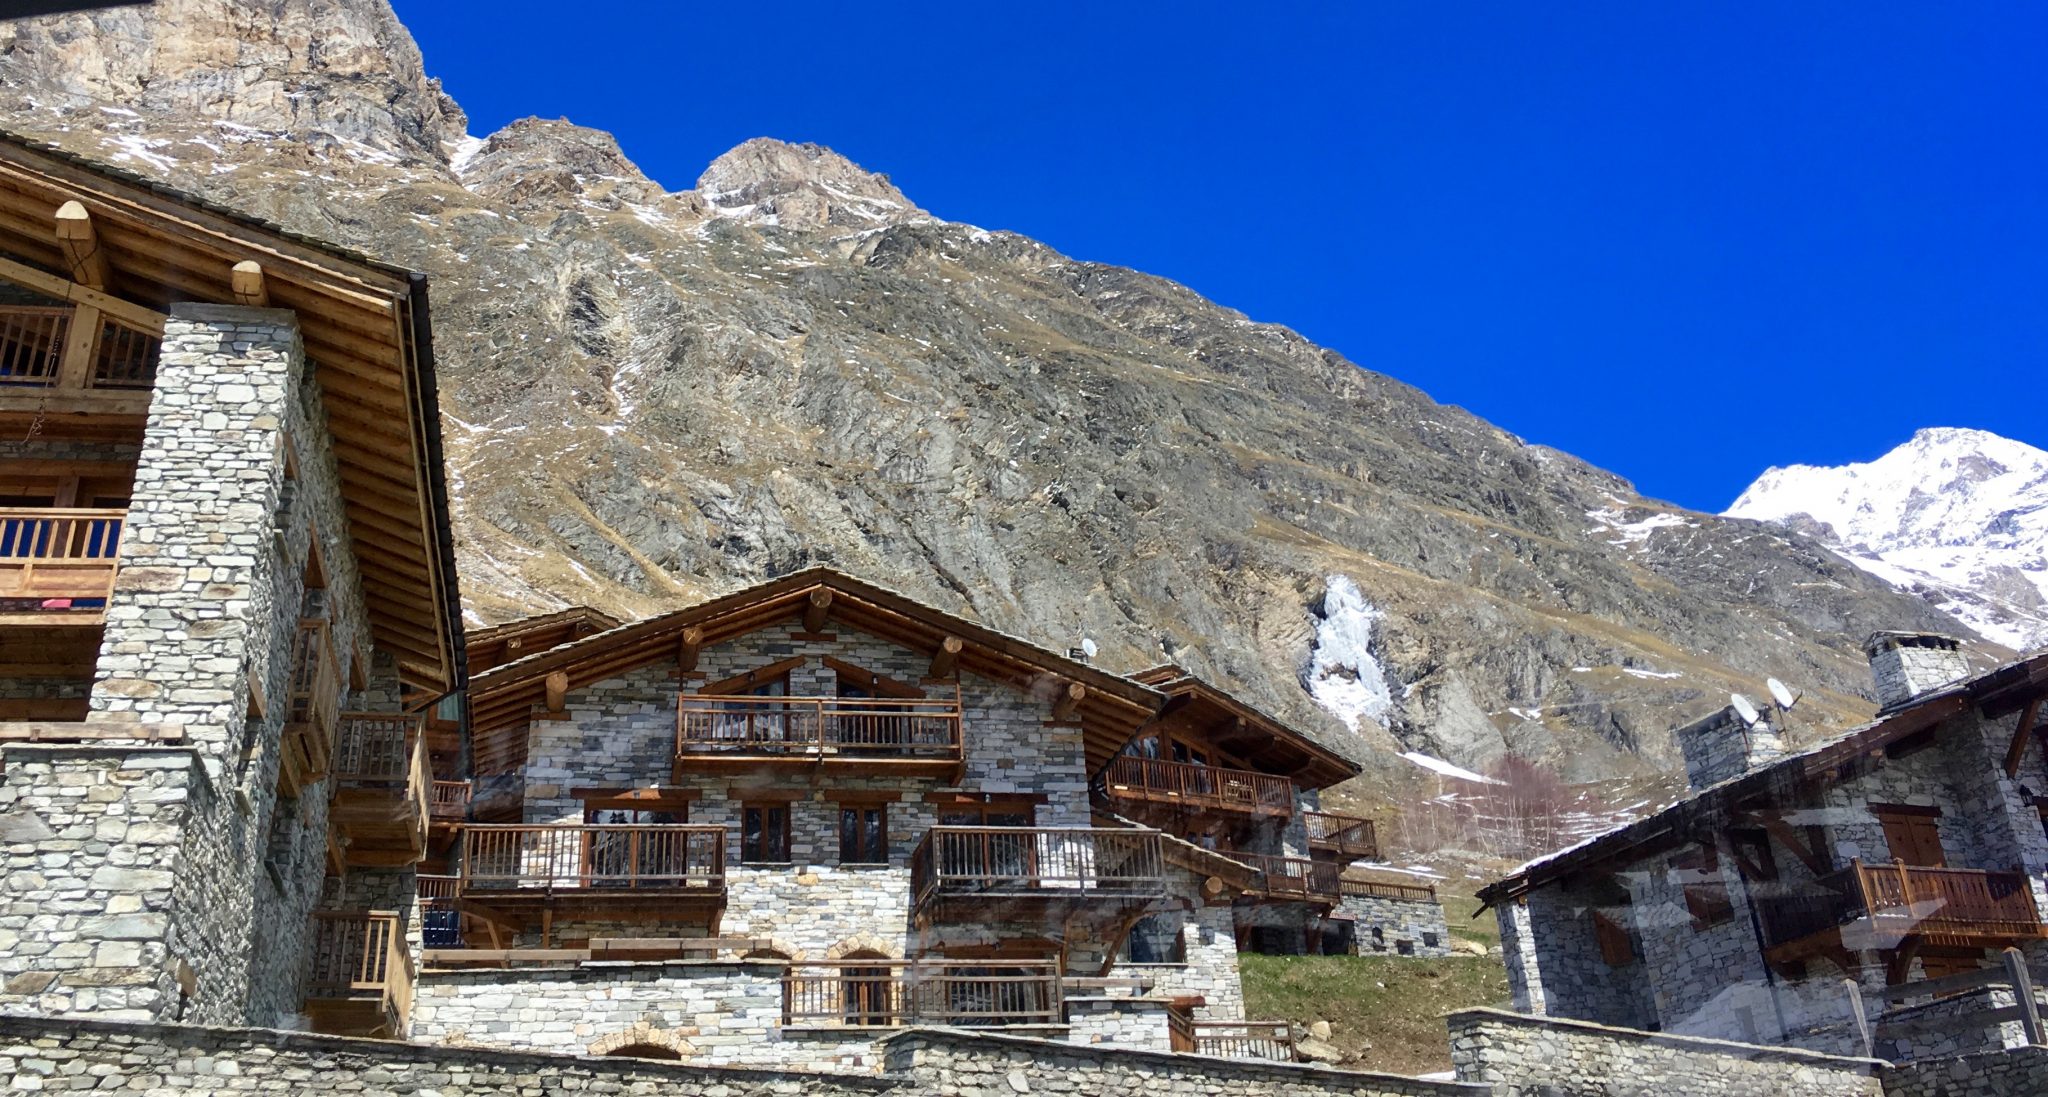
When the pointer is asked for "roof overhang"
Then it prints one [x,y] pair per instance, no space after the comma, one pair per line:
[1248,732]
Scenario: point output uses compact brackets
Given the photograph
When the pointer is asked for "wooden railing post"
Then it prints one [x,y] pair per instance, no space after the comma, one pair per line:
[2023,989]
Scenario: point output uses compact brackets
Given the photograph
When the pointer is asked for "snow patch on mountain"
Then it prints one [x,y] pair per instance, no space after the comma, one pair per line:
[1343,674]
[1957,516]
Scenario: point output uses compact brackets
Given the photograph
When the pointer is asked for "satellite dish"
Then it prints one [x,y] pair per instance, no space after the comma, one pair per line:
[1782,694]
[1088,647]
[1745,709]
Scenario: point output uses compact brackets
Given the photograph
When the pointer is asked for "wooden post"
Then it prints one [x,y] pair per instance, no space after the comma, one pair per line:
[81,344]
[81,246]
[2018,749]
[947,658]
[2023,990]
[1856,1012]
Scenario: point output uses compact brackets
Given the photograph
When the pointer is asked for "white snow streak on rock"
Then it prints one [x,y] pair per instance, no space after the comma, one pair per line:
[1343,675]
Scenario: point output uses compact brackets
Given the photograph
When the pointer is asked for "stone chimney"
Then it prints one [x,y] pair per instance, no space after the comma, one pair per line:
[1906,665]
[1720,746]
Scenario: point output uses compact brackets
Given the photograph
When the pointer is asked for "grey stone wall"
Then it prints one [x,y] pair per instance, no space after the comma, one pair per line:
[1523,1056]
[2014,1072]
[1207,934]
[1554,964]
[1399,927]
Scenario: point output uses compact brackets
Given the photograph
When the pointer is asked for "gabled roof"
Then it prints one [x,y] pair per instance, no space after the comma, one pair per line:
[1111,708]
[366,333]
[2000,692]
[1235,726]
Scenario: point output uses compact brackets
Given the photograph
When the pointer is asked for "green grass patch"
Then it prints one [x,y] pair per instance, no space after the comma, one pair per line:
[1458,910]
[1385,1013]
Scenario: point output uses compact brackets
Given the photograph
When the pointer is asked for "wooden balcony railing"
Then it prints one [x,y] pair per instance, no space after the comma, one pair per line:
[450,800]
[377,747]
[1897,899]
[1295,877]
[1159,781]
[312,706]
[440,921]
[38,348]
[1242,1039]
[597,856]
[362,977]
[818,726]
[1345,834]
[888,993]
[1037,861]
[58,556]
[1375,889]
[434,888]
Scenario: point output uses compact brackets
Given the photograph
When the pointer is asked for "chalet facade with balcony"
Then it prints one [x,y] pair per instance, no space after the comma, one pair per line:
[1802,898]
[226,586]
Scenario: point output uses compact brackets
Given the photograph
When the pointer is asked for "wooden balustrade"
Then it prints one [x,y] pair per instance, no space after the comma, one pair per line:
[450,800]
[1346,834]
[58,556]
[1294,877]
[1243,1039]
[1898,899]
[596,856]
[38,347]
[381,787]
[437,887]
[1377,889]
[376,747]
[312,707]
[362,973]
[1015,861]
[886,993]
[1157,780]
[852,727]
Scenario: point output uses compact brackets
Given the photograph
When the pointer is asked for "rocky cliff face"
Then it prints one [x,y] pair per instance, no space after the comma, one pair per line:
[652,398]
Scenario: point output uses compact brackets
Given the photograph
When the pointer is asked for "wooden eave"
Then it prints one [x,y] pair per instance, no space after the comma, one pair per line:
[502,698]
[366,336]
[500,644]
[1789,781]
[1263,741]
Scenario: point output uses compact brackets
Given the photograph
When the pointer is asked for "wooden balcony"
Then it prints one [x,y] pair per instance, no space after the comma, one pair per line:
[1186,785]
[893,993]
[1881,906]
[362,977]
[1375,889]
[1232,1039]
[1028,873]
[440,920]
[513,872]
[381,787]
[312,704]
[449,803]
[67,365]
[1294,879]
[915,737]
[1347,836]
[57,564]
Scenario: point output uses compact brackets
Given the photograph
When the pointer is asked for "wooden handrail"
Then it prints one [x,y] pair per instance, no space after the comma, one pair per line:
[1376,889]
[712,723]
[38,347]
[956,860]
[1244,1039]
[55,554]
[438,887]
[554,857]
[451,799]
[1347,834]
[1294,877]
[1128,775]
[1938,900]
[362,953]
[880,993]
[378,747]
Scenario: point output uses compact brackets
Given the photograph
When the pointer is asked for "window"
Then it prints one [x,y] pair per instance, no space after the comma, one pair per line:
[1156,939]
[764,833]
[863,834]
[1698,872]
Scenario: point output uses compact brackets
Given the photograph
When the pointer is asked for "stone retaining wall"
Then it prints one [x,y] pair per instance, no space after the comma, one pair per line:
[2013,1072]
[1526,1056]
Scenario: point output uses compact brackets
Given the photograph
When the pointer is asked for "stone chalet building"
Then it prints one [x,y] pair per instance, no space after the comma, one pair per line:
[772,827]
[1841,899]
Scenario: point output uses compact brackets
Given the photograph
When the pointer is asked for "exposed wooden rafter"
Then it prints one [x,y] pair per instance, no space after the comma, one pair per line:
[2029,717]
[81,246]
[245,280]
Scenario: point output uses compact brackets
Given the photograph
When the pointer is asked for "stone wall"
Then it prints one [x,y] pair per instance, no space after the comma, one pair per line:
[2014,1072]
[1207,938]
[1554,964]
[1536,1057]
[1401,927]
[1124,1023]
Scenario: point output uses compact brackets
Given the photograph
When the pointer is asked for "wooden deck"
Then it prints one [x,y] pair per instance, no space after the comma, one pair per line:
[1351,837]
[362,975]
[909,737]
[1033,873]
[1187,785]
[519,875]
[1886,906]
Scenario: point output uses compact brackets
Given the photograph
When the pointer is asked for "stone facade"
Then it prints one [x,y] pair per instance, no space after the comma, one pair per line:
[1906,665]
[2015,1072]
[1396,927]
[1520,1056]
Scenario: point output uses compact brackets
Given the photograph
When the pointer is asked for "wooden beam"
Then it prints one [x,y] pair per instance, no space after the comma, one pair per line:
[245,280]
[688,650]
[43,282]
[81,246]
[81,343]
[946,660]
[557,690]
[1068,702]
[2018,749]
[819,607]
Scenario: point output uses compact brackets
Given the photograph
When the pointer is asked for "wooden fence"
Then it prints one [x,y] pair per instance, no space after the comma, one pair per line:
[885,993]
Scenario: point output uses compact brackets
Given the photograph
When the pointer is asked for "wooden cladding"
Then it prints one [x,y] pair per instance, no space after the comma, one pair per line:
[1353,837]
[593,856]
[74,348]
[1043,862]
[361,982]
[817,728]
[57,556]
[878,993]
[1194,785]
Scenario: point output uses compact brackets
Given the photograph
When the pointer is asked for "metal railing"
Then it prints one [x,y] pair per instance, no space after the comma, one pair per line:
[1243,1039]
[34,339]
[817,725]
[1346,834]
[592,856]
[1898,898]
[56,555]
[361,954]
[1294,877]
[1157,779]
[1013,861]
[886,993]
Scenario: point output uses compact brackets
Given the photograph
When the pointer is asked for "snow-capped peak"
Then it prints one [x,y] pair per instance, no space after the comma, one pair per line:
[1958,514]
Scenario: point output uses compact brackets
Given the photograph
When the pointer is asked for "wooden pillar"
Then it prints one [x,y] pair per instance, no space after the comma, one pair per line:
[2023,990]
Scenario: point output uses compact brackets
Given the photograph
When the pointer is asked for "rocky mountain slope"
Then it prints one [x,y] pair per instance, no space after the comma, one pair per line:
[1959,517]
[654,397]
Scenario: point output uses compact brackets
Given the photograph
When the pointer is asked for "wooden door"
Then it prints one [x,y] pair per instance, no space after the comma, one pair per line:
[1914,837]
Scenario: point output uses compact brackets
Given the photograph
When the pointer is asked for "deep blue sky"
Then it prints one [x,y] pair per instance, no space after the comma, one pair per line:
[1681,240]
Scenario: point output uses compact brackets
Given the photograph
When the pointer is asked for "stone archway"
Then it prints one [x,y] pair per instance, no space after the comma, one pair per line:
[865,942]
[643,1041]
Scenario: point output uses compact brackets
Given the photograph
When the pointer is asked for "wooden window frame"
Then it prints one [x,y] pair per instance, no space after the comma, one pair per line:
[765,807]
[860,808]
